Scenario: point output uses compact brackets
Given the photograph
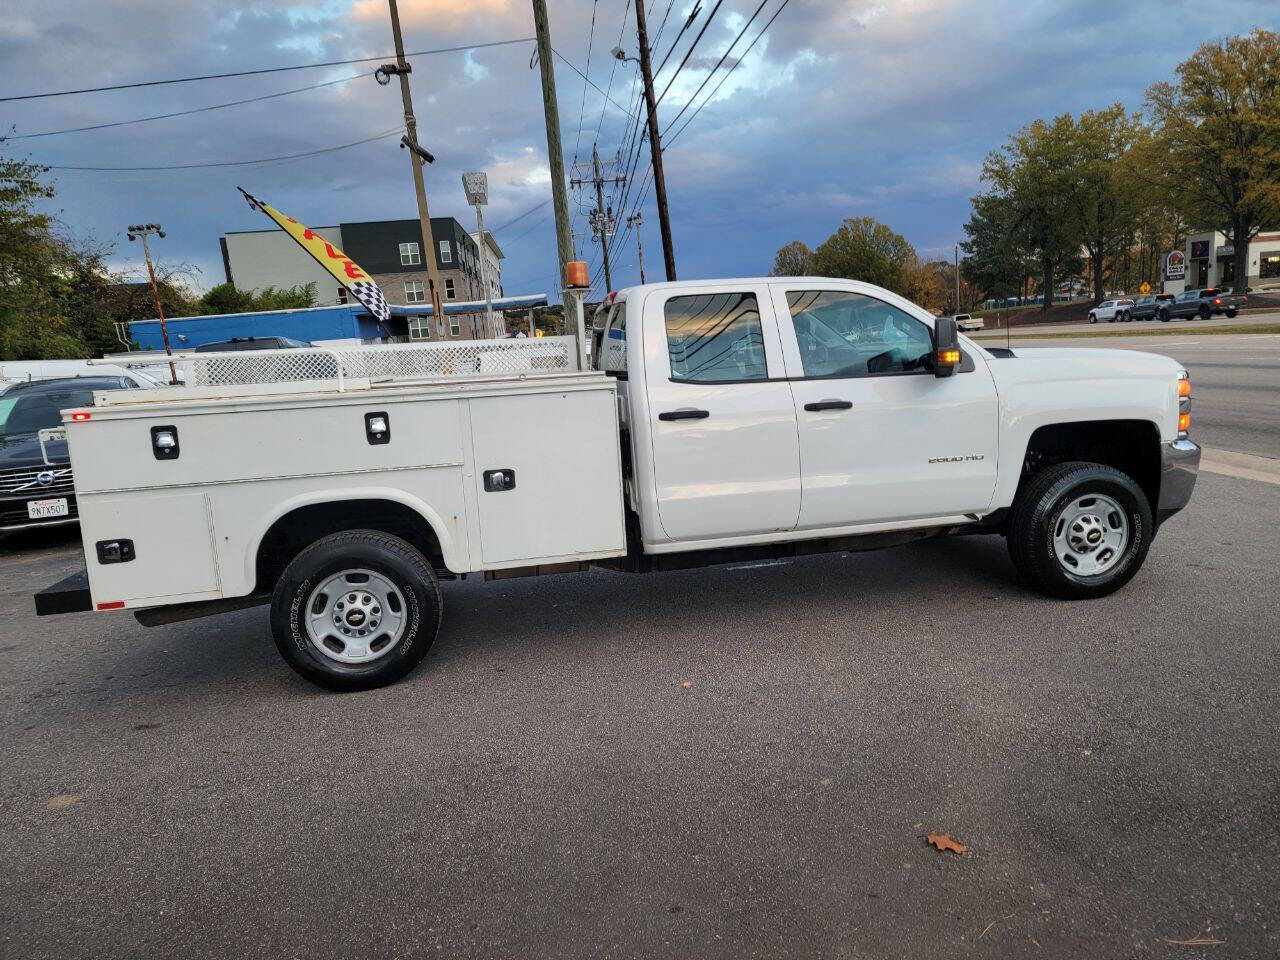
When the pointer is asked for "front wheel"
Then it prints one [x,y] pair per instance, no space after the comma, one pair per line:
[1205,312]
[1079,530]
[356,610]
[1231,314]
[1093,318]
[1164,316]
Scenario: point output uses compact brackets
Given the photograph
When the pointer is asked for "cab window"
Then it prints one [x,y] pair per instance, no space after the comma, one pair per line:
[715,338]
[843,334]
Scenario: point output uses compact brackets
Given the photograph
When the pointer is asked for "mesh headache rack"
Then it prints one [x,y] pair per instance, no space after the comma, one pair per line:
[378,363]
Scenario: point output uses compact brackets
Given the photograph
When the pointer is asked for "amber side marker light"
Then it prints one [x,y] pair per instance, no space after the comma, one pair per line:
[948,358]
[1184,422]
[1184,388]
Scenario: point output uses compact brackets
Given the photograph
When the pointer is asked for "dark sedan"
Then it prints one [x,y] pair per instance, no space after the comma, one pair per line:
[34,493]
[1147,307]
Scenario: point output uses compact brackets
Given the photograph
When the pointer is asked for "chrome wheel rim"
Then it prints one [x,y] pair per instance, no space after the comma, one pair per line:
[1090,535]
[355,616]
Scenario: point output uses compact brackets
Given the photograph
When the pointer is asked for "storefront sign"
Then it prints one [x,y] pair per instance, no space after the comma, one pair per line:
[1175,265]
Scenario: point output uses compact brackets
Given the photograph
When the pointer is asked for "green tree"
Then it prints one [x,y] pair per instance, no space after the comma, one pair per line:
[226,298]
[1218,125]
[793,260]
[37,271]
[865,249]
[1099,182]
[1031,175]
[996,262]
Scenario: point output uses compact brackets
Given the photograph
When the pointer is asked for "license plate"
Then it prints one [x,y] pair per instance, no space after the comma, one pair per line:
[43,509]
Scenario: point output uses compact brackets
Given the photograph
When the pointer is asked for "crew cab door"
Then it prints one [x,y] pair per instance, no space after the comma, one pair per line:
[720,420]
[881,438]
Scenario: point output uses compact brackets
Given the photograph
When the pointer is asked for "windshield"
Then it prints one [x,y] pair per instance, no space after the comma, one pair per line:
[25,413]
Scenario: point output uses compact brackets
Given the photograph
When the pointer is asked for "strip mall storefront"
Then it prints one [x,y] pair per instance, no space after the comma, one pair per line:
[1210,262]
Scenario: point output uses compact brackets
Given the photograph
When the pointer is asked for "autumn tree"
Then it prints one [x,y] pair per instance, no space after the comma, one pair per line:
[793,260]
[865,249]
[1218,124]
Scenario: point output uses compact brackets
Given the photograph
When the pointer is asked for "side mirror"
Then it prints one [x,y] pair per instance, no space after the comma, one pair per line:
[946,347]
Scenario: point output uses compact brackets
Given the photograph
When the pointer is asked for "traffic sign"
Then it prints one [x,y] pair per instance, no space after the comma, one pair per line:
[1145,288]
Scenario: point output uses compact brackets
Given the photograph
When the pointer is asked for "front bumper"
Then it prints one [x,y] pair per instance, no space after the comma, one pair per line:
[1179,467]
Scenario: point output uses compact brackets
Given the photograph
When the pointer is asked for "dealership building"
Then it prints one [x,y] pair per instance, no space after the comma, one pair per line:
[1208,260]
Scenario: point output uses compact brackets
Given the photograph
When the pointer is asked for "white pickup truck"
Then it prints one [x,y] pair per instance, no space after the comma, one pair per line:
[727,420]
[966,323]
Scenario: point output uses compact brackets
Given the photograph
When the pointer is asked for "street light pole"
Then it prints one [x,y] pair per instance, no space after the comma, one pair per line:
[142,230]
[476,187]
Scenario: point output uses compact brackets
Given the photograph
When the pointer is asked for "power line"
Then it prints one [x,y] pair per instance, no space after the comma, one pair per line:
[727,73]
[184,113]
[689,53]
[236,163]
[570,64]
[591,40]
[712,73]
[252,73]
[517,219]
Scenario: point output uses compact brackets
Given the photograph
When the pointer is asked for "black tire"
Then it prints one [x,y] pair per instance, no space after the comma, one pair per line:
[396,560]
[1036,511]
[1164,316]
[1093,318]
[1231,314]
[1205,312]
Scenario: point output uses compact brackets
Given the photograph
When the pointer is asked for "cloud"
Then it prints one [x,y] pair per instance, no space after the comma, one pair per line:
[844,108]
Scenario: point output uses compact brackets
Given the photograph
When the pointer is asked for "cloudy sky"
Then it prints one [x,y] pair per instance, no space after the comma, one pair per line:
[843,108]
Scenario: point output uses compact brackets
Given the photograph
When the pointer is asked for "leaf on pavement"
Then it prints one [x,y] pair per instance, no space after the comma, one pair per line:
[943,841]
[63,800]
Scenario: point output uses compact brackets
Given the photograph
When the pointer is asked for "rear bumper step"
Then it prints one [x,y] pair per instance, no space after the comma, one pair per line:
[68,595]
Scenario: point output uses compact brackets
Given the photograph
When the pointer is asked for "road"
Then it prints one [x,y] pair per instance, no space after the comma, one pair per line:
[1235,403]
[1250,318]
[545,786]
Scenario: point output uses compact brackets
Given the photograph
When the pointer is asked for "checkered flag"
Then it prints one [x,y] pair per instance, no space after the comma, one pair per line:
[367,292]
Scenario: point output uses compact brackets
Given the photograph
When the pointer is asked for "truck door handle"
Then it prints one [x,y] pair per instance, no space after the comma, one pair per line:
[828,405]
[684,413]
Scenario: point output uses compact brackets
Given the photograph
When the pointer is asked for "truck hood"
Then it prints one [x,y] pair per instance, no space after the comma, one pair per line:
[1042,385]
[23,450]
[1105,362]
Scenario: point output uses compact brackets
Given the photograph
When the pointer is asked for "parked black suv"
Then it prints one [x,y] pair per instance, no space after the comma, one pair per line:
[33,493]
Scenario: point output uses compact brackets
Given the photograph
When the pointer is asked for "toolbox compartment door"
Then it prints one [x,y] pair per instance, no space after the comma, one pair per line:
[173,555]
[562,452]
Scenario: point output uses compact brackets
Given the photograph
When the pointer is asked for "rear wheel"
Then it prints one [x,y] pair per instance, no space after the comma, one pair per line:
[1231,313]
[1079,530]
[356,610]
[1164,316]
[1205,312]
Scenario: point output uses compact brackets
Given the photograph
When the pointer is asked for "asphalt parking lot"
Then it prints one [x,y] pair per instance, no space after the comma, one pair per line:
[545,786]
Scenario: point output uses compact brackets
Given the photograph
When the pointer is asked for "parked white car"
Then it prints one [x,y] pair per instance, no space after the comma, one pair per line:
[966,323]
[739,419]
[1109,310]
[25,371]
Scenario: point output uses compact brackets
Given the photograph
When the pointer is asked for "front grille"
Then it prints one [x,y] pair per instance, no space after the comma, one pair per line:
[25,482]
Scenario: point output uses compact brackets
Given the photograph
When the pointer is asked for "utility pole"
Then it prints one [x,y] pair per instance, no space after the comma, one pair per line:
[555,155]
[418,157]
[655,143]
[634,222]
[957,309]
[143,230]
[602,222]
